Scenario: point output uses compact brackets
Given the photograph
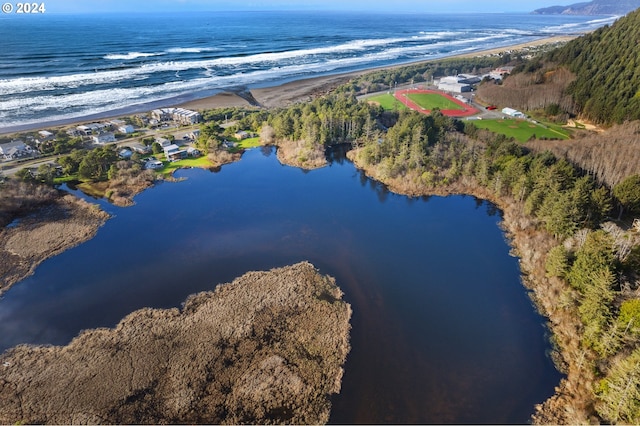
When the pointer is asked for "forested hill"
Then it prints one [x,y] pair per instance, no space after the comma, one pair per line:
[595,7]
[607,65]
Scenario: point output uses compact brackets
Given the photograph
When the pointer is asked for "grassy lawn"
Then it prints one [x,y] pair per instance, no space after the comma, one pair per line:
[388,102]
[249,143]
[430,101]
[170,167]
[65,179]
[521,130]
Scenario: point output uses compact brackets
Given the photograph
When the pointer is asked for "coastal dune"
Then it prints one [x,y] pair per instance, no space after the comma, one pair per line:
[266,348]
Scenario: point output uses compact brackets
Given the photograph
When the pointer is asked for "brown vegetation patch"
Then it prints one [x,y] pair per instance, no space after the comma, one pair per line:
[301,154]
[532,91]
[610,156]
[121,188]
[220,157]
[129,181]
[46,232]
[267,348]
[20,198]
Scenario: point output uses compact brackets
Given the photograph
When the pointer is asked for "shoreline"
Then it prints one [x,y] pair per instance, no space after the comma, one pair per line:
[529,245]
[268,95]
[224,357]
[47,232]
[300,90]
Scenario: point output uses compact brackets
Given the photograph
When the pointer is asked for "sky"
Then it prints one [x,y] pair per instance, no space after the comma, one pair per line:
[435,6]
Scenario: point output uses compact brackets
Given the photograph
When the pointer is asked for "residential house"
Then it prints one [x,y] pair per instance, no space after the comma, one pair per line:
[174,153]
[45,136]
[93,128]
[141,148]
[161,114]
[179,115]
[84,130]
[153,165]
[194,135]
[163,142]
[15,149]
[241,135]
[103,138]
[125,153]
[499,73]
[126,129]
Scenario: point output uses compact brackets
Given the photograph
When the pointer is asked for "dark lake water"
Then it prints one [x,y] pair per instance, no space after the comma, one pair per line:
[443,330]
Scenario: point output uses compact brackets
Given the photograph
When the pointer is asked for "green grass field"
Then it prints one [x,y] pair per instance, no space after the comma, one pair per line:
[170,167]
[249,143]
[521,130]
[388,102]
[430,101]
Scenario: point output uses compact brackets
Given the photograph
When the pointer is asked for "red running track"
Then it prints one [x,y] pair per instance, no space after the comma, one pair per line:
[464,111]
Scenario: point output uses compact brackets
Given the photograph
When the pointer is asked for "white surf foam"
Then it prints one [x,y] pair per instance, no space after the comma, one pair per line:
[131,55]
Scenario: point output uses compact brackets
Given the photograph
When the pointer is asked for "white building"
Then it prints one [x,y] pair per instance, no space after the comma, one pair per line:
[447,86]
[93,128]
[513,113]
[45,135]
[126,129]
[179,115]
[153,165]
[103,138]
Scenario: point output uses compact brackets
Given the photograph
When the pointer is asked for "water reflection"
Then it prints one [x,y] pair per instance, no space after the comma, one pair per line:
[443,331]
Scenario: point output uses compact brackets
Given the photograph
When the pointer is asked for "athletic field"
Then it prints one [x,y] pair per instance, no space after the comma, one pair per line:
[426,100]
[521,130]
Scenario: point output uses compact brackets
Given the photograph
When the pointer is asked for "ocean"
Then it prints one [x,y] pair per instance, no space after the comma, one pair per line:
[61,67]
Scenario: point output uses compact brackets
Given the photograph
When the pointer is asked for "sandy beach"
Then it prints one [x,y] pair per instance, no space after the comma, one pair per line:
[281,95]
[307,89]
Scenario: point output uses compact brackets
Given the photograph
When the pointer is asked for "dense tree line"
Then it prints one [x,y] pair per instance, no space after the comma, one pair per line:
[92,165]
[606,63]
[609,159]
[329,120]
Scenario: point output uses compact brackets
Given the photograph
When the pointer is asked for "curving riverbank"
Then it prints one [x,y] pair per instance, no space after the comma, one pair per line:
[266,348]
[572,402]
[46,232]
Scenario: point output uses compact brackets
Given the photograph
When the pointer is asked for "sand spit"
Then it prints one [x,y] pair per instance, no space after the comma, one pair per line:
[266,348]
[49,231]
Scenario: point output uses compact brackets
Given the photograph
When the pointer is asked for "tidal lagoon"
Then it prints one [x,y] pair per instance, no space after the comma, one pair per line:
[443,330]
